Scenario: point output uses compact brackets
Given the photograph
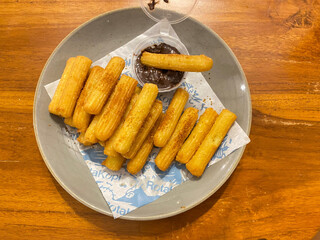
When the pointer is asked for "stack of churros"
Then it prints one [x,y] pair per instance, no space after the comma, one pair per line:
[128,121]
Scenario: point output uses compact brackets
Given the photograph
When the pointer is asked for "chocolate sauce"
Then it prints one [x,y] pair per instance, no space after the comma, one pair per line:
[164,79]
[153,3]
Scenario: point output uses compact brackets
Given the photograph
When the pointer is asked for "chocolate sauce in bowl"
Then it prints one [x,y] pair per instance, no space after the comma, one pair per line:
[164,79]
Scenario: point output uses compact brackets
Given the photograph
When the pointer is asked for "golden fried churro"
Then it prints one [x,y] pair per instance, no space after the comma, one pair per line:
[154,114]
[197,135]
[100,93]
[117,104]
[72,82]
[177,62]
[137,162]
[69,121]
[90,132]
[171,117]
[82,139]
[210,144]
[54,104]
[114,163]
[109,144]
[81,118]
[184,127]
[136,117]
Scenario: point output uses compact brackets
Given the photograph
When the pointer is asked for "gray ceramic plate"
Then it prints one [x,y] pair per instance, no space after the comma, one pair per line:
[102,35]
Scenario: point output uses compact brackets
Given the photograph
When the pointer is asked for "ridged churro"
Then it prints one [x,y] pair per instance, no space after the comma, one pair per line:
[210,144]
[184,127]
[197,135]
[136,117]
[177,62]
[171,117]
[100,93]
[72,80]
[111,117]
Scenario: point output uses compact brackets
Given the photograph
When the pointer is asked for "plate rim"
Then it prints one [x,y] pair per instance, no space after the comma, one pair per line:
[126,217]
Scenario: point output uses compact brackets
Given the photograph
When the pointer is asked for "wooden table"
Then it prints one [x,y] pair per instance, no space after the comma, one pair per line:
[274,192]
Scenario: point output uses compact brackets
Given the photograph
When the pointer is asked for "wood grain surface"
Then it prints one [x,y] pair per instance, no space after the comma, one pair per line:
[274,192]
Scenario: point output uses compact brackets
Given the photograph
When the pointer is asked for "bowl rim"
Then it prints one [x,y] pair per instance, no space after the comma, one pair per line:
[246,128]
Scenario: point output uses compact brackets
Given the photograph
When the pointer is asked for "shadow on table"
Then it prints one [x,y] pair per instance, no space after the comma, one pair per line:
[141,228]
